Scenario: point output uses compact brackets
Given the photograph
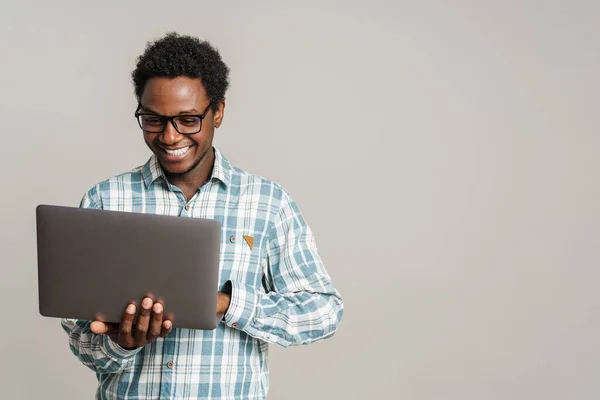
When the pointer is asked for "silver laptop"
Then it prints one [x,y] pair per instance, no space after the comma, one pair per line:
[93,263]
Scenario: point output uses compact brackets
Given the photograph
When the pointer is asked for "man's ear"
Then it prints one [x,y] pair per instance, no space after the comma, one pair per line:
[219,114]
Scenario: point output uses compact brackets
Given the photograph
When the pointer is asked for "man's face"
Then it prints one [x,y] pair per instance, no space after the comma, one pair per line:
[179,153]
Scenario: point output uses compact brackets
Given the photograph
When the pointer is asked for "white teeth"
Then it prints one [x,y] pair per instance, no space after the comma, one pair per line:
[178,152]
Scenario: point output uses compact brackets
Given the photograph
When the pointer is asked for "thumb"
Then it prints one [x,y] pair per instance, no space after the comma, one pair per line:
[100,328]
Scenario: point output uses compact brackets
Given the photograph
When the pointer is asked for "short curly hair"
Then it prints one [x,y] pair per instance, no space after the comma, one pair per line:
[182,55]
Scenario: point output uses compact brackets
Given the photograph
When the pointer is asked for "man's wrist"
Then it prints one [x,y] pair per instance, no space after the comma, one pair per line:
[116,351]
[223,302]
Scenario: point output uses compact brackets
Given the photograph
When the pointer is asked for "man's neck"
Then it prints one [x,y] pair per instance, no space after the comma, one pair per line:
[191,181]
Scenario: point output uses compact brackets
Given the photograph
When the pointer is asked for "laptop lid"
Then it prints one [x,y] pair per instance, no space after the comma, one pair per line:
[93,263]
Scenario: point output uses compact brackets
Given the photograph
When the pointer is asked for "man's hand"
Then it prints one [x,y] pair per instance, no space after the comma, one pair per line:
[149,326]
[223,301]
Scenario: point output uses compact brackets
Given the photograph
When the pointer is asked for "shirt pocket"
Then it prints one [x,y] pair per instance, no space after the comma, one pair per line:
[242,258]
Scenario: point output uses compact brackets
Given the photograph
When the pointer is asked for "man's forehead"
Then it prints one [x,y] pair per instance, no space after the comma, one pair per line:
[179,87]
[174,95]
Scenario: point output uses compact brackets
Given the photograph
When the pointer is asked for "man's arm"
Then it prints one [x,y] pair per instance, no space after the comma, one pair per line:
[302,306]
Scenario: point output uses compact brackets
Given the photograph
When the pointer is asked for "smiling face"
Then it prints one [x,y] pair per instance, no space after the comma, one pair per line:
[184,156]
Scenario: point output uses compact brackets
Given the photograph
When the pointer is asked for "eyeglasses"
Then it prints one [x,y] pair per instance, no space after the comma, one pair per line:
[185,124]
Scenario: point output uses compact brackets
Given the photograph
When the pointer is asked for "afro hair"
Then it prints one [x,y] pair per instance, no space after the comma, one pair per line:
[182,55]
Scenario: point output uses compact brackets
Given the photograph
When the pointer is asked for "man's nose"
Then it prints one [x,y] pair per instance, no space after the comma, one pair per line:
[170,134]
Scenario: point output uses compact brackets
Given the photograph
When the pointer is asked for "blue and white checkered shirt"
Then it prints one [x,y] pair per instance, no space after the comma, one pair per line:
[281,293]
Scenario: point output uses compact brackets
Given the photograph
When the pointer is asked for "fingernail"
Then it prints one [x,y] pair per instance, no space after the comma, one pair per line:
[147,303]
[168,324]
[157,308]
[131,309]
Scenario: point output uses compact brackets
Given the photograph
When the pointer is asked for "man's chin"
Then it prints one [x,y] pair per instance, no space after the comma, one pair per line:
[176,168]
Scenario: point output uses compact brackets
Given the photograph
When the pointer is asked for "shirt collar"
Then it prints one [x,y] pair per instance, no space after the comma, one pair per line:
[152,170]
[222,168]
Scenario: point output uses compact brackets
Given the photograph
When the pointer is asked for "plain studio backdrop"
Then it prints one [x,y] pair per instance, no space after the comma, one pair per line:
[445,154]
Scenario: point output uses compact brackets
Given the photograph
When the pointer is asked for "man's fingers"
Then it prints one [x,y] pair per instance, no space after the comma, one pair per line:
[143,320]
[126,326]
[155,323]
[104,328]
[166,328]
[149,325]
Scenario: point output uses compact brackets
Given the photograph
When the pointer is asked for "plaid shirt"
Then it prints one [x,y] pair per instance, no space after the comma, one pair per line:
[281,293]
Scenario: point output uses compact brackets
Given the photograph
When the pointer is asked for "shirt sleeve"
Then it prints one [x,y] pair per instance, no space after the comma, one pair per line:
[302,305]
[97,352]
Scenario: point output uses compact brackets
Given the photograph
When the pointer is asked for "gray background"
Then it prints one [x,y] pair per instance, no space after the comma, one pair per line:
[444,153]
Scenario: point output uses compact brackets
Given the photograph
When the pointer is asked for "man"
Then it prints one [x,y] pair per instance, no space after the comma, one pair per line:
[274,288]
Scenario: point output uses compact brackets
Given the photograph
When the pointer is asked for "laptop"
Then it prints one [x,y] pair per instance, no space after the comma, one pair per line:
[93,263]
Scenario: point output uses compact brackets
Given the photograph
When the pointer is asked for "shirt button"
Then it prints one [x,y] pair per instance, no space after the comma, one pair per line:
[232,239]
[235,325]
[170,364]
[187,207]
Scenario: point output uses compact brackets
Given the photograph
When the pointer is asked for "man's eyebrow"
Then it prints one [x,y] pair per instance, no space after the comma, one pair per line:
[144,108]
[190,111]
